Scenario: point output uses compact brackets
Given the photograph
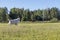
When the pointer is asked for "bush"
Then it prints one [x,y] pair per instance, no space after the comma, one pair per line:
[54,20]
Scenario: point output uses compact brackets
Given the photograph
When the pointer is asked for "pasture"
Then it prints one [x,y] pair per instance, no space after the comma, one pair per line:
[30,31]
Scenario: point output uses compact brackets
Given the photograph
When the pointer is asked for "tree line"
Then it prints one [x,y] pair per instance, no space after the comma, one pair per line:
[47,14]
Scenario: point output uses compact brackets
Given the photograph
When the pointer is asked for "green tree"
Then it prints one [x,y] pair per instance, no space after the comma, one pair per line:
[54,12]
[3,16]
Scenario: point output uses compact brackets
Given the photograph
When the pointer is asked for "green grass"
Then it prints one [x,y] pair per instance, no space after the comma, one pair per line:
[30,31]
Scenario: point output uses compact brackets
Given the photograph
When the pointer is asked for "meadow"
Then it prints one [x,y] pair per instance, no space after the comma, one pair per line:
[30,31]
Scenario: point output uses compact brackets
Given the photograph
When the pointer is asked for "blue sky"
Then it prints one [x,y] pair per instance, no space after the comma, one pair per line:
[30,4]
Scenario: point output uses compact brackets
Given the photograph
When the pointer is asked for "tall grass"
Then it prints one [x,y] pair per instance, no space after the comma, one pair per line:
[30,31]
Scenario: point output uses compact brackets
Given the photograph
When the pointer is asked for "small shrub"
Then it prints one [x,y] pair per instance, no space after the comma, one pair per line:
[54,20]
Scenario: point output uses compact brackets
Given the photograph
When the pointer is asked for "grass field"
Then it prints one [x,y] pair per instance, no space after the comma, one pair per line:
[30,31]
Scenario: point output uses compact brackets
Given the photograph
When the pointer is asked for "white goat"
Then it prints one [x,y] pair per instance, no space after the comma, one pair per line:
[14,21]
